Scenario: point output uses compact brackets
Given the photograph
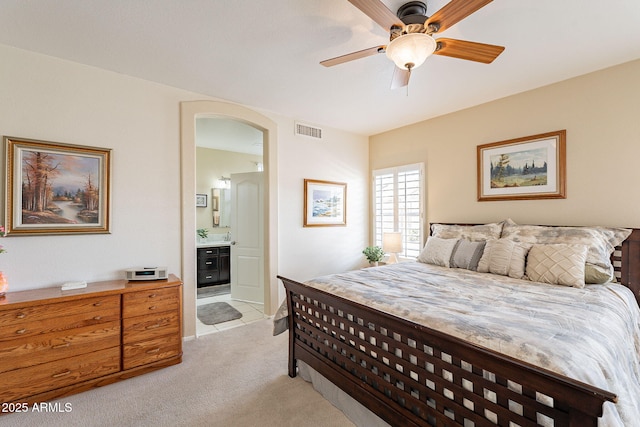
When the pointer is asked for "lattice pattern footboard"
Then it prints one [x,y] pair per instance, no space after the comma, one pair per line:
[411,375]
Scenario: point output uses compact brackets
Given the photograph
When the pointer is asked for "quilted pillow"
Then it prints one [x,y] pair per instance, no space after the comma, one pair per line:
[558,264]
[504,257]
[438,251]
[467,254]
[474,233]
[600,241]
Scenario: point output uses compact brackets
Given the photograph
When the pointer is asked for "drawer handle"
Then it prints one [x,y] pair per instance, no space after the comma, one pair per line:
[209,252]
[153,307]
[63,345]
[21,316]
[61,374]
[97,318]
[153,350]
[153,295]
[157,325]
[209,262]
[21,331]
[208,277]
[97,304]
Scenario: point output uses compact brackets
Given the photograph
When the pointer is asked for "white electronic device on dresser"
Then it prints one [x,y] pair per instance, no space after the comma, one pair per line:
[146,273]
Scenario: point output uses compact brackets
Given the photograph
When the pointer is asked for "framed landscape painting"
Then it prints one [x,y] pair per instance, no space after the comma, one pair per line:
[56,188]
[533,167]
[325,203]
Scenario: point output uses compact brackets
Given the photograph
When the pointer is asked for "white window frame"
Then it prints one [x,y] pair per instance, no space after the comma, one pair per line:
[411,244]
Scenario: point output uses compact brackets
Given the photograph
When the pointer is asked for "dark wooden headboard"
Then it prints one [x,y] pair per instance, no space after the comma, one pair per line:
[625,260]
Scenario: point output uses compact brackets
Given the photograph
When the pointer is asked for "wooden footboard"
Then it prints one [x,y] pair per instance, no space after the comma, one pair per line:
[411,375]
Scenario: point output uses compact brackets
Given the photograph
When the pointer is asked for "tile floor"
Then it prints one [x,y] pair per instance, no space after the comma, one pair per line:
[251,312]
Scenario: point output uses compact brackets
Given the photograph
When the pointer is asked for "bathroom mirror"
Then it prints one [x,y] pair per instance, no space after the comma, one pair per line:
[221,206]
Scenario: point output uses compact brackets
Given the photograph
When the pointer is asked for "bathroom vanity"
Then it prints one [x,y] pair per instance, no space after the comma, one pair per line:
[213,264]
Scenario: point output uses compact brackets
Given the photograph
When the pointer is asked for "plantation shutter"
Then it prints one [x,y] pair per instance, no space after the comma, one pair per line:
[398,204]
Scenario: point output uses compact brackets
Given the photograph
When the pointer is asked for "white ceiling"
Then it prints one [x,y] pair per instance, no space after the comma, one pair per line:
[228,135]
[265,54]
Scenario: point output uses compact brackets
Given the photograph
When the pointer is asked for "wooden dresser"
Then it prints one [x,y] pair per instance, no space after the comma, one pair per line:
[55,343]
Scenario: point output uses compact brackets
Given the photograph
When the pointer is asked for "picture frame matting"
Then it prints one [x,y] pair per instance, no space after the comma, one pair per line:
[325,203]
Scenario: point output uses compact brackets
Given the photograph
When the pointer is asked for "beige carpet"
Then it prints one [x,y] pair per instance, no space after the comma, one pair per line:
[233,378]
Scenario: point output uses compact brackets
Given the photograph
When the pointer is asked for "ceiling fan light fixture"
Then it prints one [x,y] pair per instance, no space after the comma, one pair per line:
[409,51]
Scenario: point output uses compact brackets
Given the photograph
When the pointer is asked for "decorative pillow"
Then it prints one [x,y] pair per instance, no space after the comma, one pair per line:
[474,233]
[467,254]
[504,257]
[438,251]
[558,264]
[596,275]
[600,241]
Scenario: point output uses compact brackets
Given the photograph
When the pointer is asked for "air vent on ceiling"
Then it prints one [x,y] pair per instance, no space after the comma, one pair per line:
[308,131]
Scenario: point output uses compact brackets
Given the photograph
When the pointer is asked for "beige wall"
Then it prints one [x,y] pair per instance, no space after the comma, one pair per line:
[153,179]
[210,166]
[598,110]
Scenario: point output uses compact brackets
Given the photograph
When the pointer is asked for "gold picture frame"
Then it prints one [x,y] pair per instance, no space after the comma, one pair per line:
[528,168]
[56,188]
[325,203]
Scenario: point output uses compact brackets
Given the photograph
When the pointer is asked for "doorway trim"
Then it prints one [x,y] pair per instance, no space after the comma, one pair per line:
[189,111]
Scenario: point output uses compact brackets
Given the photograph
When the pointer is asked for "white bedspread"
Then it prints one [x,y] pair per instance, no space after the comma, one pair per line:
[590,334]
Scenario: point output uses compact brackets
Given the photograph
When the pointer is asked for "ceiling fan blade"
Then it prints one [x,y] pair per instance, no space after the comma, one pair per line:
[377,11]
[400,78]
[454,12]
[470,51]
[353,55]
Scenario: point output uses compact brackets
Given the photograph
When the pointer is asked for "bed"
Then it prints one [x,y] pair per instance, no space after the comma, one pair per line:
[430,351]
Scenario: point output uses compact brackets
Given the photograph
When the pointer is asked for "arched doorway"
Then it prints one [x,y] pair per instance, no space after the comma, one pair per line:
[189,111]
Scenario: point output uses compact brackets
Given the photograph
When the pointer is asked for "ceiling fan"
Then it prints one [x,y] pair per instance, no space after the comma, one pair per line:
[411,36]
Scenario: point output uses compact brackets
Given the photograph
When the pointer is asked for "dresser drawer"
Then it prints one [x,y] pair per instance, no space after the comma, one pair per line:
[36,379]
[143,352]
[151,326]
[151,301]
[46,311]
[34,350]
[59,324]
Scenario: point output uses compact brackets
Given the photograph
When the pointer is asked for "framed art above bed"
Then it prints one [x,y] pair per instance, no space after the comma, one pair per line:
[532,167]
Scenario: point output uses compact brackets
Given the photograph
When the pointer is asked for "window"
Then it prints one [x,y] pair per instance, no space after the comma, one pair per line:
[398,206]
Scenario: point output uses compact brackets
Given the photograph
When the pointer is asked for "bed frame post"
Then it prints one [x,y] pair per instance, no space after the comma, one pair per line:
[292,336]
[630,263]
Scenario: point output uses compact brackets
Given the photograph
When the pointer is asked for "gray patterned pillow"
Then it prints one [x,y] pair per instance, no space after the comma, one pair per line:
[600,241]
[475,233]
[467,254]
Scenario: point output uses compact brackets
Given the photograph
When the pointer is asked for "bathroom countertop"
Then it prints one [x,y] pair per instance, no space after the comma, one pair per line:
[213,244]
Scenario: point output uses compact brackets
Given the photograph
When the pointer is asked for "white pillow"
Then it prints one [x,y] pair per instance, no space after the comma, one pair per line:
[600,242]
[557,264]
[504,257]
[437,251]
